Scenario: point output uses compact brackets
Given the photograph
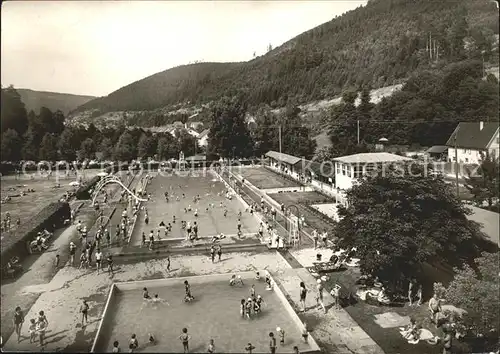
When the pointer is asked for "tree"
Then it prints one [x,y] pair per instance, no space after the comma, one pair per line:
[69,144]
[484,183]
[398,221]
[125,149]
[87,149]
[106,149]
[295,137]
[11,146]
[146,147]
[186,143]
[229,135]
[167,147]
[57,122]
[476,291]
[265,134]
[31,145]
[48,148]
[13,115]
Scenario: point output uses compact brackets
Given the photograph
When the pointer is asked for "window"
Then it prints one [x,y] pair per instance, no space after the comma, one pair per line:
[358,171]
[349,171]
[338,168]
[344,169]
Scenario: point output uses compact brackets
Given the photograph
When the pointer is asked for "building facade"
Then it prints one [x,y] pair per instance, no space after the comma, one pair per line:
[473,141]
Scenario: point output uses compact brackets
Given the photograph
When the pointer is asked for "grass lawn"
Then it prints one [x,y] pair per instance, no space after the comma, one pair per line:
[211,222]
[25,207]
[262,178]
[314,220]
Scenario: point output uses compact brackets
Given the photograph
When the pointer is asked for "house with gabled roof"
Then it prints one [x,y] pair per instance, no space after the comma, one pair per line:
[473,140]
[203,138]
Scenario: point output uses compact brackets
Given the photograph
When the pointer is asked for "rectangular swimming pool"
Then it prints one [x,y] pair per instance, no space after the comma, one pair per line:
[214,314]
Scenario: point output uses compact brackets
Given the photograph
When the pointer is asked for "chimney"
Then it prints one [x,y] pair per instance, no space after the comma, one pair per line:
[481,125]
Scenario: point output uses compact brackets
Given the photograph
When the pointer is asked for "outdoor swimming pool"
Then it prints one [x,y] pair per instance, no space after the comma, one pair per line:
[214,314]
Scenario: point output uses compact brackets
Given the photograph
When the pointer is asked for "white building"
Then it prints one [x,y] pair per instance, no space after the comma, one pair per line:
[473,141]
[203,138]
[349,169]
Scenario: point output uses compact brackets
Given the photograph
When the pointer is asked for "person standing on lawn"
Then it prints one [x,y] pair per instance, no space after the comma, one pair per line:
[303,294]
[435,308]
[18,322]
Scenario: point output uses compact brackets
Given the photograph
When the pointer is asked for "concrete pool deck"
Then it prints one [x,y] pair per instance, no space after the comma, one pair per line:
[293,326]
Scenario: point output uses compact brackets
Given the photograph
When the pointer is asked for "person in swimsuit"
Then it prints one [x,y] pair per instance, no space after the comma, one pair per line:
[281,333]
[116,347]
[145,294]
[133,343]
[252,292]
[319,298]
[32,330]
[219,252]
[435,308]
[248,308]
[84,309]
[72,251]
[260,301]
[303,293]
[18,322]
[152,339]
[185,337]
[168,263]
[109,260]
[272,343]
[211,346]
[212,254]
[41,327]
[249,348]
[187,288]
[242,307]
[98,260]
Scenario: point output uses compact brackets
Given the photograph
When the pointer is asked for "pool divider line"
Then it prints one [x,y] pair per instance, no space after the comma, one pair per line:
[138,284]
[131,231]
[112,291]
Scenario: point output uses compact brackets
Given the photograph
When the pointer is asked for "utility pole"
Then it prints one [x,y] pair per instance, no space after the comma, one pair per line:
[456,161]
[358,131]
[279,139]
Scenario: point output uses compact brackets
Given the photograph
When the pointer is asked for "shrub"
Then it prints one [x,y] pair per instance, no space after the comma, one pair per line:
[51,217]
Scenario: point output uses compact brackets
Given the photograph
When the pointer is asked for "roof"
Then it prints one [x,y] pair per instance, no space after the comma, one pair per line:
[372,157]
[437,149]
[203,133]
[288,159]
[471,136]
[318,168]
[489,222]
[196,158]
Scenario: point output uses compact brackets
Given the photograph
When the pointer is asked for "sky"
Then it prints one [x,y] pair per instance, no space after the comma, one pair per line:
[96,47]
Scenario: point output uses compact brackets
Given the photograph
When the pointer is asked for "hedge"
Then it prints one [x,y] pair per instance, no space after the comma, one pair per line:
[16,243]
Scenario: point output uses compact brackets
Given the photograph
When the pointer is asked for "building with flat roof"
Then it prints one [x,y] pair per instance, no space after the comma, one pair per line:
[349,169]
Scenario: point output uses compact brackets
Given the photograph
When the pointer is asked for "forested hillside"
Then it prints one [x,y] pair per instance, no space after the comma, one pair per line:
[34,100]
[377,45]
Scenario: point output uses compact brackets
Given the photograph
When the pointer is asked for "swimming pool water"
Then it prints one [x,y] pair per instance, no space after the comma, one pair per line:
[214,314]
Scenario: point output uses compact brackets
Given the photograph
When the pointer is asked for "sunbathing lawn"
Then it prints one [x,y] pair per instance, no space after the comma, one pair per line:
[263,178]
[389,339]
[313,219]
[25,207]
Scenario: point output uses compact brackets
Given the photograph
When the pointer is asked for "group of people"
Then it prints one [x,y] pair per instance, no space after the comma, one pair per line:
[37,327]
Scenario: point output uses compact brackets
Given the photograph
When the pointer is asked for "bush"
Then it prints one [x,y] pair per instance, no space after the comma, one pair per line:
[83,192]
[51,217]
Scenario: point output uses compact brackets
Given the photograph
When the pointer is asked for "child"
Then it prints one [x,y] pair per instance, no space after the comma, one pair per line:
[116,348]
[211,346]
[242,307]
[152,340]
[281,333]
[272,343]
[296,350]
[185,337]
[133,344]
[32,330]
[41,328]
[57,261]
[249,348]
[305,333]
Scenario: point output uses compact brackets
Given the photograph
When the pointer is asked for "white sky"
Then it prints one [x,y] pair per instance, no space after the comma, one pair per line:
[97,47]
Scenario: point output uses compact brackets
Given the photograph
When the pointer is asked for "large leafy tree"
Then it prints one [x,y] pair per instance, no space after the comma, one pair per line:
[13,115]
[229,134]
[398,221]
[48,148]
[105,148]
[69,143]
[476,291]
[167,147]
[296,138]
[11,146]
[147,146]
[125,149]
[186,143]
[87,149]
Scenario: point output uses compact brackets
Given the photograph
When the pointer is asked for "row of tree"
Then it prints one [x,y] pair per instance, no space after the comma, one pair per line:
[46,137]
